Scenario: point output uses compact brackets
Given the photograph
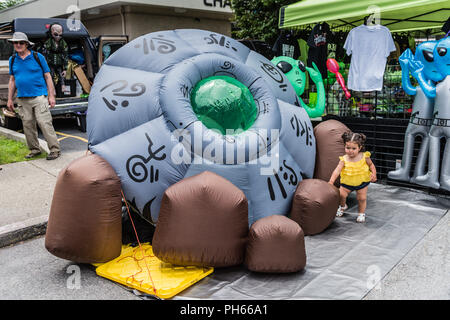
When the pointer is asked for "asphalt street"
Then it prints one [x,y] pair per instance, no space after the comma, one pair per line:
[69,136]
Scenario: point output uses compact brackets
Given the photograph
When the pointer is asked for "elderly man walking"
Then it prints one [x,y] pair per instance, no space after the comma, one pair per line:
[30,75]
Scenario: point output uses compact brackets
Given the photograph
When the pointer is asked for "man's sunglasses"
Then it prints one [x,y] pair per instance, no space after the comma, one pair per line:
[20,42]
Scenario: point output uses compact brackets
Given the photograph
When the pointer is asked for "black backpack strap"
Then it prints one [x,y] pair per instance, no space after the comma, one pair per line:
[12,63]
[35,54]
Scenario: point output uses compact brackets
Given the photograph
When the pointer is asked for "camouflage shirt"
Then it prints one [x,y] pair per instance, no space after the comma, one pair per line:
[56,55]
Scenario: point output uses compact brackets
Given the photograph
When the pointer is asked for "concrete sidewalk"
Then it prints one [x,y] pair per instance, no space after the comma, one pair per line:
[26,193]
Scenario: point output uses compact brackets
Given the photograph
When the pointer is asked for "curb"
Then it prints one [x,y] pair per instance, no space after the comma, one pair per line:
[11,134]
[20,231]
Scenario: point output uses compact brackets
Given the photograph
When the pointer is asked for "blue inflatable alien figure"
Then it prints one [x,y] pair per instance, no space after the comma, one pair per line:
[440,127]
[422,111]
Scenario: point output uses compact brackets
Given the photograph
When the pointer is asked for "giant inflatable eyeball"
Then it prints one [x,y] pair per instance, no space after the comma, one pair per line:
[172,104]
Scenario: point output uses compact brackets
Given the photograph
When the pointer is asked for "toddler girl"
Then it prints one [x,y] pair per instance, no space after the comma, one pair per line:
[356,171]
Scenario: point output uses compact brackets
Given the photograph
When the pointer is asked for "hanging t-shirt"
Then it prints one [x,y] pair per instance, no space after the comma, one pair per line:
[303,58]
[369,47]
[317,42]
[286,45]
[446,26]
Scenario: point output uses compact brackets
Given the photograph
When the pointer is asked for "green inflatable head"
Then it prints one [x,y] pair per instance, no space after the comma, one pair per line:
[294,70]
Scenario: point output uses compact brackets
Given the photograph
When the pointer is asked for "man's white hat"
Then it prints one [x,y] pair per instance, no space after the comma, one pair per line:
[20,36]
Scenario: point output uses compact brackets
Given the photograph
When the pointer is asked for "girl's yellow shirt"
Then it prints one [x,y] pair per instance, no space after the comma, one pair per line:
[355,173]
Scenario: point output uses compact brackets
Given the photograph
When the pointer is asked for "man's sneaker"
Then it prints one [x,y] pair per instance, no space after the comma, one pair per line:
[32,154]
[53,155]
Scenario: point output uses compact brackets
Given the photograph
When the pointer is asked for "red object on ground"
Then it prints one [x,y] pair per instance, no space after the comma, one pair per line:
[333,66]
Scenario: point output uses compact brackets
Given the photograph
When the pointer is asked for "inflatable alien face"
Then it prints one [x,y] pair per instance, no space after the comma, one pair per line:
[57,32]
[424,53]
[294,71]
[442,56]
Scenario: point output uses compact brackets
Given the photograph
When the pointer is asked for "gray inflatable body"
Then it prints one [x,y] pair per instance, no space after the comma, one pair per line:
[419,125]
[440,128]
[140,119]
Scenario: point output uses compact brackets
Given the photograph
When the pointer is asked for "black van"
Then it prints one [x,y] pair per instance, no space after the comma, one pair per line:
[86,52]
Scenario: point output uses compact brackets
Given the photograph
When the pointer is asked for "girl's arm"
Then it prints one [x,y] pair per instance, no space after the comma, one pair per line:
[336,172]
[373,170]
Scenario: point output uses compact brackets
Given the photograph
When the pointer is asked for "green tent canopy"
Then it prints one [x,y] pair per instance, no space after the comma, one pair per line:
[397,15]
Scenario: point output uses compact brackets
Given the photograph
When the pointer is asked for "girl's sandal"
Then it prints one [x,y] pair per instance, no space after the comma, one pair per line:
[340,211]
[361,217]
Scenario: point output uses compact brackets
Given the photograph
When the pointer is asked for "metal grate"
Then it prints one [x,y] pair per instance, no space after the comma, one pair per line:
[385,139]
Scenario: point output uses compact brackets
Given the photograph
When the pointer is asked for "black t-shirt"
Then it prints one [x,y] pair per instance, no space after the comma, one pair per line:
[286,45]
[446,26]
[317,42]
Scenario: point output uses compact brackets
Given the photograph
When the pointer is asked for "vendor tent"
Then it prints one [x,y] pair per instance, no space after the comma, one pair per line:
[397,15]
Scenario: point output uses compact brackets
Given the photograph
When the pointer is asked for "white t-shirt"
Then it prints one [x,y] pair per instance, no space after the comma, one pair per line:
[369,47]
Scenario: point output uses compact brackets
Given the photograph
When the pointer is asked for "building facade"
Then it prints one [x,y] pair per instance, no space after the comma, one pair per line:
[133,18]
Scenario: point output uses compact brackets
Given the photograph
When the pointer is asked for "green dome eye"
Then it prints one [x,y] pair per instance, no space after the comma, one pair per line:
[222,102]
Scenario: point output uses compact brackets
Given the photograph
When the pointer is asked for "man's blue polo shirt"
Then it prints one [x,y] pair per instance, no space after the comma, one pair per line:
[28,75]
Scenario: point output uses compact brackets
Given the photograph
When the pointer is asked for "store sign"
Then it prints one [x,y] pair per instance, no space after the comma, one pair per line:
[217,3]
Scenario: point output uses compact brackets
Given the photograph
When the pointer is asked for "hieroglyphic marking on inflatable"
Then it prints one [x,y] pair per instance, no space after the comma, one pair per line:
[185,90]
[164,46]
[295,124]
[223,42]
[227,65]
[147,212]
[274,73]
[265,108]
[137,161]
[280,185]
[180,124]
[293,179]
[136,88]
[251,84]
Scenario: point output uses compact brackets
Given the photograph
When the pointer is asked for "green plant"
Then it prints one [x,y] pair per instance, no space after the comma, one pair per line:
[14,151]
[257,19]
[9,3]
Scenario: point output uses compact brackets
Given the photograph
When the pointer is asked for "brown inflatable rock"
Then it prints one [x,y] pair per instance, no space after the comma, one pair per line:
[314,205]
[85,222]
[203,221]
[276,244]
[329,146]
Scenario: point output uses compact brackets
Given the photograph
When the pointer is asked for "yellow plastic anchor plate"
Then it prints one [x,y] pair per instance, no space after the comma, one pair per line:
[140,269]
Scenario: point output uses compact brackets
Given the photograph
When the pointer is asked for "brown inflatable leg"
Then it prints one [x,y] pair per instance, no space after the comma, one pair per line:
[329,146]
[276,244]
[85,222]
[314,205]
[203,221]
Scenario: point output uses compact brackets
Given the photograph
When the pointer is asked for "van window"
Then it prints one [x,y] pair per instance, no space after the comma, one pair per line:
[6,49]
[109,48]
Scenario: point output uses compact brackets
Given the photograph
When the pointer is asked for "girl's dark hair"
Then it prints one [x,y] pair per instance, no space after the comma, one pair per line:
[358,138]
